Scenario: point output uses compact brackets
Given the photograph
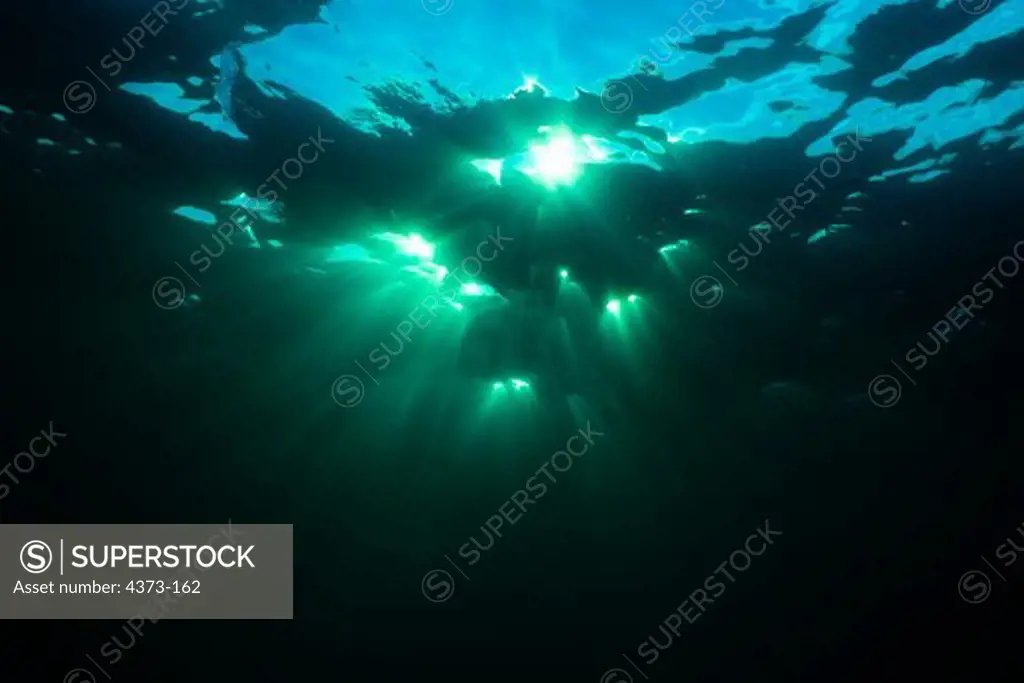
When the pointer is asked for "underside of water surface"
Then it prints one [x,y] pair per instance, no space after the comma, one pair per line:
[510,209]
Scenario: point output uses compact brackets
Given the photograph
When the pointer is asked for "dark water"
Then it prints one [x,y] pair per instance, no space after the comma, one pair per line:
[751,315]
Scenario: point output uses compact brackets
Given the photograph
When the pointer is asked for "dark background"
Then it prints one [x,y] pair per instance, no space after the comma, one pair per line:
[220,412]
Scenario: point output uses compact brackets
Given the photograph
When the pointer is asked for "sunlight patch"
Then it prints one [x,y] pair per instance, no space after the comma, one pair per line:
[347,252]
[474,289]
[680,246]
[491,167]
[513,384]
[557,161]
[196,214]
[412,244]
[561,157]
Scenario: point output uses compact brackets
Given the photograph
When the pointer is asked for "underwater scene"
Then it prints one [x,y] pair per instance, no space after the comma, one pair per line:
[548,325]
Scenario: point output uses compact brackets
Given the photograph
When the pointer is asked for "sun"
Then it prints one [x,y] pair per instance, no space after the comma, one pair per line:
[557,161]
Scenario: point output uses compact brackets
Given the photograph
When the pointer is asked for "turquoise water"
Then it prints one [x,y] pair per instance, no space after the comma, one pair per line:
[478,50]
